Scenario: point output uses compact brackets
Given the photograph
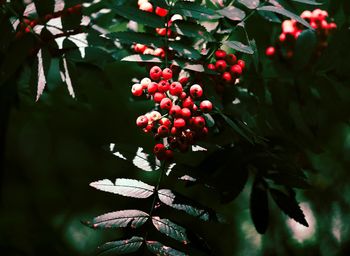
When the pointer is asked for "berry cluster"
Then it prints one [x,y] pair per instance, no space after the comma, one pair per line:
[291,30]
[179,123]
[228,66]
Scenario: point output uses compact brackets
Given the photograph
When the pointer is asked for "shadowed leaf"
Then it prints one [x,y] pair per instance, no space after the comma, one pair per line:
[121,247]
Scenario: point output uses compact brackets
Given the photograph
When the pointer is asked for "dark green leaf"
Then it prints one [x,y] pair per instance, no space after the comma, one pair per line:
[289,205]
[121,247]
[195,11]
[305,48]
[251,4]
[232,13]
[236,128]
[311,2]
[125,187]
[191,29]
[259,209]
[170,229]
[130,37]
[162,250]
[238,46]
[270,16]
[185,50]
[288,179]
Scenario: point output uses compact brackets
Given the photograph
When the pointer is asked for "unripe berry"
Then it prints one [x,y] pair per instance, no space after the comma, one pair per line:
[140,48]
[206,106]
[231,59]
[158,96]
[165,121]
[163,86]
[175,111]
[241,63]
[145,82]
[211,66]
[136,90]
[236,70]
[179,123]
[226,77]
[175,89]
[142,121]
[220,65]
[199,122]
[220,54]
[152,88]
[155,73]
[161,12]
[166,104]
[186,113]
[196,91]
[187,103]
[167,73]
[146,6]
[154,116]
[163,131]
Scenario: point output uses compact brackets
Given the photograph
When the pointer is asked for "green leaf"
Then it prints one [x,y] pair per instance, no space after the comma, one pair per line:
[255,56]
[170,229]
[125,187]
[305,48]
[130,37]
[270,16]
[289,205]
[259,209]
[238,46]
[232,13]
[282,11]
[119,219]
[190,29]
[311,2]
[121,247]
[142,58]
[161,3]
[141,17]
[235,127]
[162,250]
[288,179]
[250,4]
[195,11]
[185,50]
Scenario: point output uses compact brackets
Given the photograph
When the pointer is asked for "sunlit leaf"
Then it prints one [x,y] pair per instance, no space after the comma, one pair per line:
[170,229]
[232,13]
[142,58]
[162,250]
[121,247]
[238,46]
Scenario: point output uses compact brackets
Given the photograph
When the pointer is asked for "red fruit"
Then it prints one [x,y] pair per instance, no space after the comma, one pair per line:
[159,52]
[166,104]
[167,73]
[231,59]
[27,30]
[194,108]
[142,121]
[149,51]
[288,27]
[137,90]
[206,106]
[183,95]
[241,63]
[175,89]
[140,48]
[199,122]
[211,66]
[161,31]
[187,103]
[179,123]
[306,15]
[163,131]
[220,54]
[282,37]
[145,82]
[236,70]
[196,91]
[161,12]
[146,6]
[159,150]
[163,86]
[227,77]
[183,80]
[165,121]
[33,23]
[175,111]
[155,73]
[148,128]
[270,52]
[158,96]
[169,154]
[221,65]
[332,26]
[152,88]
[174,132]
[186,113]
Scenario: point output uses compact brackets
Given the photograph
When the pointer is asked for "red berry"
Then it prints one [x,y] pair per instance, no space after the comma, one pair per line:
[158,96]
[161,31]
[332,26]
[220,54]
[167,73]
[194,108]
[159,52]
[142,121]
[163,131]
[165,121]
[175,89]
[288,27]
[307,15]
[137,90]
[270,52]
[236,70]
[169,154]
[161,12]
[140,48]
[146,6]
[199,121]
[145,82]
[211,66]
[179,123]
[175,111]
[174,131]
[27,30]
[183,80]
[221,65]
[187,103]
[186,113]
[196,91]
[163,86]
[48,17]
[206,106]
[282,37]
[149,51]
[227,77]
[231,59]
[159,151]
[241,63]
[183,95]
[152,88]
[166,104]
[155,73]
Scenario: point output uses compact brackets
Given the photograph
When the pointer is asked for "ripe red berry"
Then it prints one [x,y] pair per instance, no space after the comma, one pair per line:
[183,95]
[161,12]
[220,65]
[206,106]
[179,123]
[166,104]
[158,96]
[155,73]
[149,51]
[175,111]
[137,90]
[142,121]
[226,77]
[165,121]
[145,82]
[163,86]
[183,80]
[167,73]
[211,66]
[231,59]
[236,70]
[146,6]
[174,131]
[163,131]
[140,48]
[196,91]
[186,113]
[187,103]
[152,88]
[159,52]
[175,89]
[169,154]
[241,63]
[270,52]
[154,116]
[199,122]
[220,54]
[159,150]
[161,31]
[282,37]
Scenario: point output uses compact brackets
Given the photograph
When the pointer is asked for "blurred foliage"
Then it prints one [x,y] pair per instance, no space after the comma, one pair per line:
[52,149]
